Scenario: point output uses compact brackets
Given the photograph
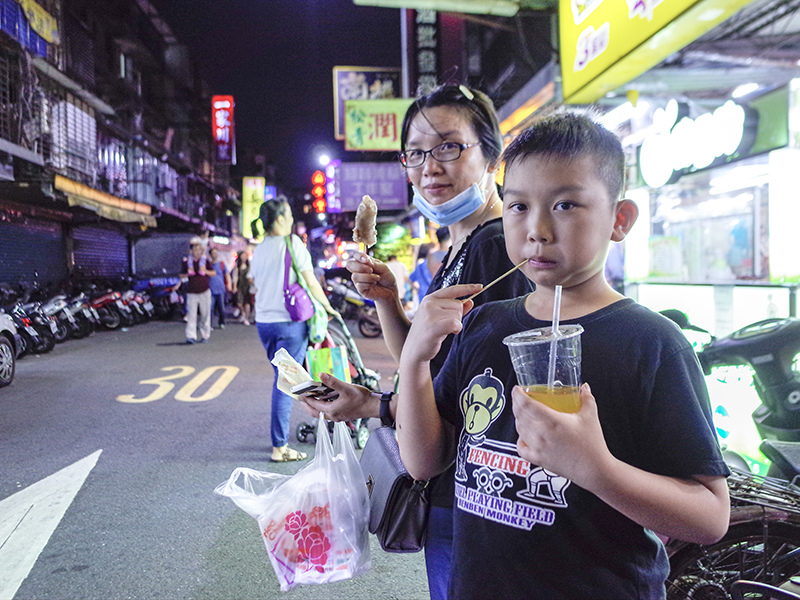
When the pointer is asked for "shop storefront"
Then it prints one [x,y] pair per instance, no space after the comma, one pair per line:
[704,96]
[715,189]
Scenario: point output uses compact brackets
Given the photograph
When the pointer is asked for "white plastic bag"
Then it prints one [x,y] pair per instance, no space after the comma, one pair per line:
[314,523]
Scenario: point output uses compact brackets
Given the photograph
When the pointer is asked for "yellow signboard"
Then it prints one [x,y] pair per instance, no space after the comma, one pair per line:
[41,21]
[607,43]
[252,199]
[374,124]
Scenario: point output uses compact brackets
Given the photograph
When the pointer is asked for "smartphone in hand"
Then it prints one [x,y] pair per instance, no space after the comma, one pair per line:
[315,389]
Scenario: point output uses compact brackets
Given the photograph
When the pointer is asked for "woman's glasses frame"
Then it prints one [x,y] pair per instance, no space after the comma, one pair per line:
[444,152]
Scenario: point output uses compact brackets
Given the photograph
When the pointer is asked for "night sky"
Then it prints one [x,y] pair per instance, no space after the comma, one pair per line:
[276,58]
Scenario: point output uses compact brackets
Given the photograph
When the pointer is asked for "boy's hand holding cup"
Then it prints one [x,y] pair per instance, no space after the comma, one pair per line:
[573,447]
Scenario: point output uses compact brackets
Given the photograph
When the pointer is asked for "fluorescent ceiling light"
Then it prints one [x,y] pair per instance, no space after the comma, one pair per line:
[744,89]
[501,8]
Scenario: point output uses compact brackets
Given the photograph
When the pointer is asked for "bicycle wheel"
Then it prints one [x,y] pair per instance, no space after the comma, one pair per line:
[767,551]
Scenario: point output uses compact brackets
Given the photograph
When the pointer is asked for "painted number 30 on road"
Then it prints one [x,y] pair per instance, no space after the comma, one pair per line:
[219,378]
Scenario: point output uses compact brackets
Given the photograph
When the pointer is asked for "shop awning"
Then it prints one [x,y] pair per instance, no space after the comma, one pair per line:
[106,205]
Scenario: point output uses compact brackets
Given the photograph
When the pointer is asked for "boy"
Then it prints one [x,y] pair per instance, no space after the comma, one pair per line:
[553,505]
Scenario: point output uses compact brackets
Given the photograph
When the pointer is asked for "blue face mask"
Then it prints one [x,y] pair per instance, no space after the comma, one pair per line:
[455,209]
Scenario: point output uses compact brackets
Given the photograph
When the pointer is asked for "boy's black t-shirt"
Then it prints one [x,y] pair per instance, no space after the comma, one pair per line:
[522,532]
[482,259]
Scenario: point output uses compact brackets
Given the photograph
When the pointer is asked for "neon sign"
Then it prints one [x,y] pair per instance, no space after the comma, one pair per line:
[222,129]
[679,145]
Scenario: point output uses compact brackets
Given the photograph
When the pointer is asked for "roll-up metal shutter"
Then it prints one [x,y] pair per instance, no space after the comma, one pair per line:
[32,251]
[100,252]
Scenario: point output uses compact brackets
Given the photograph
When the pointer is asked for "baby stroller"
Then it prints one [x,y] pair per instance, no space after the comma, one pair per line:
[340,336]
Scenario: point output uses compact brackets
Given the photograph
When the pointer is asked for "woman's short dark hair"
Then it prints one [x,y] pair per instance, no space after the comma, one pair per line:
[572,133]
[476,106]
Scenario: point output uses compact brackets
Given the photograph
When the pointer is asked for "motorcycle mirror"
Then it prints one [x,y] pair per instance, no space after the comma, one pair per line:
[681,320]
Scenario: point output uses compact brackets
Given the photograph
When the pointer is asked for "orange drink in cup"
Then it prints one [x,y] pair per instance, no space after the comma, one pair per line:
[565,399]
[548,365]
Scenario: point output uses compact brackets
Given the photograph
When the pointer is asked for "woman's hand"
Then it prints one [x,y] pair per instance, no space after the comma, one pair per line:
[570,444]
[349,401]
[372,278]
[439,314]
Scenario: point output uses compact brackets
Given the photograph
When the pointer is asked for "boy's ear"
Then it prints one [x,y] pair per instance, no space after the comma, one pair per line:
[626,214]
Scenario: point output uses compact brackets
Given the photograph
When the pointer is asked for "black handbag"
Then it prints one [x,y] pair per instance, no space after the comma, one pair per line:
[399,505]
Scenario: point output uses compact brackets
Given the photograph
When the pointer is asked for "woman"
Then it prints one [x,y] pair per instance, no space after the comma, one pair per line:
[275,327]
[241,287]
[451,143]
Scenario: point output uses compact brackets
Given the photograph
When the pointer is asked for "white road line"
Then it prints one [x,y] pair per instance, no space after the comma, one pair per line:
[29,517]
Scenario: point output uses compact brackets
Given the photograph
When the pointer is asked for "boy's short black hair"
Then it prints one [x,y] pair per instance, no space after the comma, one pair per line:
[571,133]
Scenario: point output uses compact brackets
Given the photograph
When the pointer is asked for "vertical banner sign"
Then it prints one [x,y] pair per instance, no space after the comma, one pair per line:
[332,186]
[361,83]
[426,50]
[222,129]
[253,189]
[374,124]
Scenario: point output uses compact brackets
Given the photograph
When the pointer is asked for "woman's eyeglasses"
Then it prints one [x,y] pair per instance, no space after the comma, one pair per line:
[446,152]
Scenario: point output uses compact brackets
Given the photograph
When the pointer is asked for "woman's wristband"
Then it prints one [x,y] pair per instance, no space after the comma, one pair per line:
[387,420]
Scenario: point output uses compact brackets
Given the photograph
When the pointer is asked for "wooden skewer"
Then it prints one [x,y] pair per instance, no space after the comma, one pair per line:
[488,285]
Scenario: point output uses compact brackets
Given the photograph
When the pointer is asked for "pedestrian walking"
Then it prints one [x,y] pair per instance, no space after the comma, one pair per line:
[275,327]
[219,285]
[196,273]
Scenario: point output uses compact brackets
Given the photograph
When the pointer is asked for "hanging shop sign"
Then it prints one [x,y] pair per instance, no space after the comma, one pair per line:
[361,83]
[254,191]
[426,49]
[222,129]
[604,45]
[374,124]
[385,182]
[332,200]
[41,21]
[680,144]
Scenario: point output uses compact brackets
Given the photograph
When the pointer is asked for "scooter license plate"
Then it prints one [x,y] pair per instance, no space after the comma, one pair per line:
[95,313]
[121,304]
[31,331]
[148,305]
[53,326]
[87,313]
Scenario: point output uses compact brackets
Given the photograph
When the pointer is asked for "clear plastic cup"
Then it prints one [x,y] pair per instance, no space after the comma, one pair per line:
[531,357]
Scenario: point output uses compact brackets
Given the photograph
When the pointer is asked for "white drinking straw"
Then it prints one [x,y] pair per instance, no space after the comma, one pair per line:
[551,367]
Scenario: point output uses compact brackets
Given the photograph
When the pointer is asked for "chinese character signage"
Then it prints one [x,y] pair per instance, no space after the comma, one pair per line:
[253,194]
[606,43]
[374,124]
[361,83]
[332,186]
[426,53]
[222,129]
[385,182]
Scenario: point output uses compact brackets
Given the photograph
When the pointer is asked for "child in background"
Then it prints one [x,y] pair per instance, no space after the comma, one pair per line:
[579,496]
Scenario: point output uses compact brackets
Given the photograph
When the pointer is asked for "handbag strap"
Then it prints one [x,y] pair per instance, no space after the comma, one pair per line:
[287,265]
[300,279]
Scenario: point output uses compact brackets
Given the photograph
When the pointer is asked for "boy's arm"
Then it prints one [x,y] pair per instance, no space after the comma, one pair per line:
[695,509]
[423,436]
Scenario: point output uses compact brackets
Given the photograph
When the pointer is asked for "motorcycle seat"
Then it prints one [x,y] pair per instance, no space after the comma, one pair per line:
[784,455]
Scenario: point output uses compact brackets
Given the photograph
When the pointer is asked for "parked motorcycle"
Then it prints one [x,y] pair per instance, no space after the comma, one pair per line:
[763,541]
[166,303]
[354,307]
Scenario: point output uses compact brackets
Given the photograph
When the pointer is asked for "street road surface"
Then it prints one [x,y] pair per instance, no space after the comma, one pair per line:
[110,449]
